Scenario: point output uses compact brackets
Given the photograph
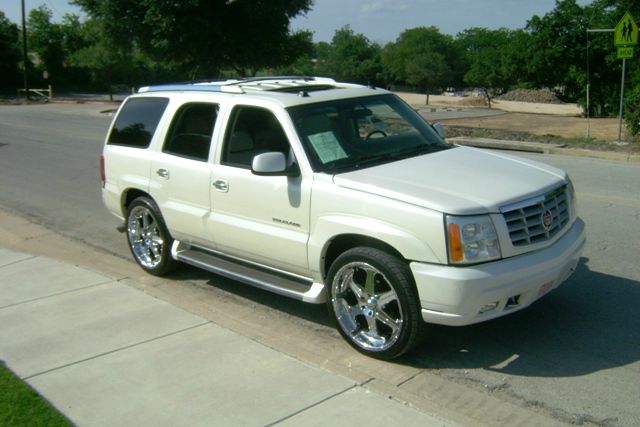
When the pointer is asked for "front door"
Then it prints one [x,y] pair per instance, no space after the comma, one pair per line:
[264,219]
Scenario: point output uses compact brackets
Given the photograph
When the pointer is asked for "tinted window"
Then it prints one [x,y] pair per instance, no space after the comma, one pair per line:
[137,121]
[254,131]
[191,131]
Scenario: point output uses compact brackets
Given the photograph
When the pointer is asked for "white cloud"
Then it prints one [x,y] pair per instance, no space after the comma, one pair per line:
[384,6]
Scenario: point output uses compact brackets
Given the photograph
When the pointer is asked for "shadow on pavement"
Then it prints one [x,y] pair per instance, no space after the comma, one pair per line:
[588,324]
[316,313]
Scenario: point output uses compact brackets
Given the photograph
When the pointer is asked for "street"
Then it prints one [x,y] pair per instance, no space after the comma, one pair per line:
[574,356]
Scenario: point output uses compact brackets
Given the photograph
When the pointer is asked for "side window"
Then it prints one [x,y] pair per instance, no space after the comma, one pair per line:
[253,131]
[137,122]
[191,130]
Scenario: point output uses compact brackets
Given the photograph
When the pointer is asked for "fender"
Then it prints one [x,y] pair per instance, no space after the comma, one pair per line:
[327,228]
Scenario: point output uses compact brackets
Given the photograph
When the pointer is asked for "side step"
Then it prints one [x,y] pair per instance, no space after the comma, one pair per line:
[260,277]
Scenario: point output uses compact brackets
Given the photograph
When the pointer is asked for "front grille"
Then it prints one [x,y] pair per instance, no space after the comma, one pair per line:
[539,220]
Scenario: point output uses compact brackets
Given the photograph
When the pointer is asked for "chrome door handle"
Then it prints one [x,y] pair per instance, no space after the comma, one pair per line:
[221,185]
[163,173]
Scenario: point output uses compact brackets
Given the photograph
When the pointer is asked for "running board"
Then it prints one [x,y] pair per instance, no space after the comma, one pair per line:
[272,281]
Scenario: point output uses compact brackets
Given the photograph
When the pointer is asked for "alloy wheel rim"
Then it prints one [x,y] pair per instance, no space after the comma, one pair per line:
[366,306]
[144,237]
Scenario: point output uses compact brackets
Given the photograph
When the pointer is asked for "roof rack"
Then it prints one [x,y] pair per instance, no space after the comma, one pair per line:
[271,83]
[246,80]
[193,87]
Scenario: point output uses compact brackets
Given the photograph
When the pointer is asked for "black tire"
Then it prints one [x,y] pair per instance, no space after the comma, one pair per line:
[373,300]
[149,240]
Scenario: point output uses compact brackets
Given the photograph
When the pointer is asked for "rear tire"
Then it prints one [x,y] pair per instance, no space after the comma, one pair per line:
[148,237]
[373,300]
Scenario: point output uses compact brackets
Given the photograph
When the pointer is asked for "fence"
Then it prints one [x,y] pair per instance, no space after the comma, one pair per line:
[44,93]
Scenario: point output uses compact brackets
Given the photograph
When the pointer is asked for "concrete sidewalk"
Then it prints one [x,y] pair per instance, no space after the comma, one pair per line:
[104,353]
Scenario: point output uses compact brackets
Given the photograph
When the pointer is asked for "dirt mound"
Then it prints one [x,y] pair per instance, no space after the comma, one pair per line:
[543,96]
[475,101]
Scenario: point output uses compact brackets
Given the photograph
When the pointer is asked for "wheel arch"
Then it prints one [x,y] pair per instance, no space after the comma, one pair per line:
[129,196]
[343,242]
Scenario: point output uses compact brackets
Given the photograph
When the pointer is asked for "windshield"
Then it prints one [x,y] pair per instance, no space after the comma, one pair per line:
[345,135]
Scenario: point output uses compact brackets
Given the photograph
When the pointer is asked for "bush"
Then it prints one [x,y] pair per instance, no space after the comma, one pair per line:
[632,111]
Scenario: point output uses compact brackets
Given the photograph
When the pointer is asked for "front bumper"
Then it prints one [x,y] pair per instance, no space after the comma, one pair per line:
[460,296]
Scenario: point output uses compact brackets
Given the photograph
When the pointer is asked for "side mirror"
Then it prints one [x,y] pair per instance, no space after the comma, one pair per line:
[437,126]
[273,163]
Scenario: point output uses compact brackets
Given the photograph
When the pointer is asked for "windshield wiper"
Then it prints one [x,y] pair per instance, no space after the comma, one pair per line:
[369,158]
[414,151]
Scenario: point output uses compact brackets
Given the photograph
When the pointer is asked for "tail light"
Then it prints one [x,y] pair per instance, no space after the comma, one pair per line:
[103,176]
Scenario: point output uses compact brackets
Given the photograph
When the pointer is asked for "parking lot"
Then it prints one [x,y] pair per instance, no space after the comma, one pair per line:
[572,357]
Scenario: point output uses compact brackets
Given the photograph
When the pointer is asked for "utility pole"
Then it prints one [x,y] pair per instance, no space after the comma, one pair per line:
[625,39]
[624,68]
[592,30]
[24,53]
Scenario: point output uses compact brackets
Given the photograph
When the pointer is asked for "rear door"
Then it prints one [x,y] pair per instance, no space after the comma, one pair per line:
[181,171]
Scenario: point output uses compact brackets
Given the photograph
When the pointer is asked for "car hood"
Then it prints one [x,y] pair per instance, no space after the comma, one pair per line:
[461,180]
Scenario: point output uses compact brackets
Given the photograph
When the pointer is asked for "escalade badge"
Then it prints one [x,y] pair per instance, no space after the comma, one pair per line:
[547,219]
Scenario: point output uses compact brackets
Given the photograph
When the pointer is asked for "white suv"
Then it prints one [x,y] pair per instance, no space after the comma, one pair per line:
[325,191]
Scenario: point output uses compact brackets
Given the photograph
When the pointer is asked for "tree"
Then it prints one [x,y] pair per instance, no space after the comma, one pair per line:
[95,54]
[558,48]
[495,59]
[45,39]
[427,70]
[204,36]
[424,58]
[609,13]
[350,57]
[9,53]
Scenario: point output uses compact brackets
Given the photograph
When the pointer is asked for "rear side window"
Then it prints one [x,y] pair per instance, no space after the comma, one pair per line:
[191,130]
[137,122]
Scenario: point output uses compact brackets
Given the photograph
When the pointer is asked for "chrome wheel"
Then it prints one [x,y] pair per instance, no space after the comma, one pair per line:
[366,306]
[145,237]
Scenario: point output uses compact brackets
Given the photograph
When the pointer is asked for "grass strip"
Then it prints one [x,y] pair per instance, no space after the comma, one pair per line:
[20,405]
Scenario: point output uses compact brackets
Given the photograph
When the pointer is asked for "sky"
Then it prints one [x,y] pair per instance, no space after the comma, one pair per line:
[380,21]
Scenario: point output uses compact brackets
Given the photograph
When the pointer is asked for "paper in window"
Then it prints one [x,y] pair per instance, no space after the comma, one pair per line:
[327,146]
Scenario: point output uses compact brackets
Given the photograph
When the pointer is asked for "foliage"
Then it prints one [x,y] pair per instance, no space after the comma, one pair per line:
[202,37]
[558,52]
[153,41]
[350,57]
[495,59]
[424,58]
[9,53]
[632,111]
[558,48]
[45,39]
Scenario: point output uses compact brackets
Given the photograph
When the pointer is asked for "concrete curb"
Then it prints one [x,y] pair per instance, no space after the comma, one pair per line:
[543,148]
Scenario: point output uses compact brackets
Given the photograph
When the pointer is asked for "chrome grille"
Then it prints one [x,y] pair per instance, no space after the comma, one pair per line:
[538,220]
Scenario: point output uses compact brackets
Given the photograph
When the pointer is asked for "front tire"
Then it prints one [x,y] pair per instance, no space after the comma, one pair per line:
[373,300]
[148,237]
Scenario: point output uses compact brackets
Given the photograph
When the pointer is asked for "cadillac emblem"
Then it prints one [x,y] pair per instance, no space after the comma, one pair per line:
[547,219]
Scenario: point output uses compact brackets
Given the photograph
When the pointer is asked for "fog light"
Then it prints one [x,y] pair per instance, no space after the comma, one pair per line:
[488,307]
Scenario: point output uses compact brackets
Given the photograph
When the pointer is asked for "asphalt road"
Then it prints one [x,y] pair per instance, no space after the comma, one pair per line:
[575,355]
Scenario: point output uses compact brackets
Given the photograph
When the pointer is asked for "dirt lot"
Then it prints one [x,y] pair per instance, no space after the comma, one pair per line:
[542,124]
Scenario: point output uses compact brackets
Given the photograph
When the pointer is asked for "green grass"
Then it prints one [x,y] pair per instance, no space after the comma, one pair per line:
[482,133]
[20,405]
[576,140]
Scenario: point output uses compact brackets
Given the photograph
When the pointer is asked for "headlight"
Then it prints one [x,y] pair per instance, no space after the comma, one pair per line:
[573,203]
[471,239]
